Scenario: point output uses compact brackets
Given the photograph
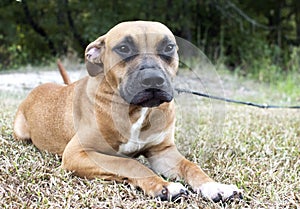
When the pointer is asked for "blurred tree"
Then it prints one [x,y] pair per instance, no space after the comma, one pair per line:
[237,32]
[296,6]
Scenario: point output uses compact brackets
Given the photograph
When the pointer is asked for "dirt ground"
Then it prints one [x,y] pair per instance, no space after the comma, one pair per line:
[222,85]
[25,81]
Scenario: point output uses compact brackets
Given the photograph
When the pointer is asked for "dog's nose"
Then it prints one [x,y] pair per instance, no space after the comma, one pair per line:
[152,78]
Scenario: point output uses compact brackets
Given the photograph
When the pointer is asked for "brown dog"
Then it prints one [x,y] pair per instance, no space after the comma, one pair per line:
[123,109]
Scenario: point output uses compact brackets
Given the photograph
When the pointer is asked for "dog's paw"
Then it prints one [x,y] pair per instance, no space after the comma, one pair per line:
[219,192]
[173,191]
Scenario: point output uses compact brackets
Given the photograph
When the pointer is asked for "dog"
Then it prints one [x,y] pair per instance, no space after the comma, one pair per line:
[124,108]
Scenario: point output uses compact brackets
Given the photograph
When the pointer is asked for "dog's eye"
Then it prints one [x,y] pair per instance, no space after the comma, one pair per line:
[123,49]
[169,48]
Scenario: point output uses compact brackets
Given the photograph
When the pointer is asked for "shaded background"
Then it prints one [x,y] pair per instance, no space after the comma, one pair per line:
[247,36]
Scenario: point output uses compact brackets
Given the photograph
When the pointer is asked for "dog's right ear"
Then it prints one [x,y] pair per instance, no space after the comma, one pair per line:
[94,56]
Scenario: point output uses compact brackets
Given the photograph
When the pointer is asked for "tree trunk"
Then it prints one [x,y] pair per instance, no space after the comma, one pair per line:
[297,17]
[80,40]
[37,28]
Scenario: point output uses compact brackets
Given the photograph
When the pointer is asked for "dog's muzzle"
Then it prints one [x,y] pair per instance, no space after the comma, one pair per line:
[148,87]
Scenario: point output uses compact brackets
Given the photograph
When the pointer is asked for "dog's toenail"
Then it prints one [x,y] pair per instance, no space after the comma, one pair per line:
[164,191]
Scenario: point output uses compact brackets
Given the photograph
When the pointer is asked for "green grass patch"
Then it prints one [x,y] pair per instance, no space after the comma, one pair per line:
[288,87]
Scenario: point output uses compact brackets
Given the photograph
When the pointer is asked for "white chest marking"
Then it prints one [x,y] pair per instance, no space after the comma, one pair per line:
[134,143]
[136,127]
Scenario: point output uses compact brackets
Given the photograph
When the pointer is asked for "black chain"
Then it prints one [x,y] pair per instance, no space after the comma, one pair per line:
[264,106]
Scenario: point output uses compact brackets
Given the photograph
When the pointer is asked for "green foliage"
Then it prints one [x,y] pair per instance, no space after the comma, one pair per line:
[266,67]
[294,60]
[288,86]
[256,37]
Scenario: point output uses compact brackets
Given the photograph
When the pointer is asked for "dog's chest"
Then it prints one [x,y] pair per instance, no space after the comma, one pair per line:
[135,143]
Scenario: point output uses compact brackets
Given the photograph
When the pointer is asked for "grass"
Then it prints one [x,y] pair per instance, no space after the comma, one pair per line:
[257,149]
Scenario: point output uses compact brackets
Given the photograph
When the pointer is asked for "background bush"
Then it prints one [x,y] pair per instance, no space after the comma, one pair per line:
[253,37]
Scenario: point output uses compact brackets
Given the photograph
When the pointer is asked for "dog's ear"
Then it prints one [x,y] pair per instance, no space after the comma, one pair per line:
[94,56]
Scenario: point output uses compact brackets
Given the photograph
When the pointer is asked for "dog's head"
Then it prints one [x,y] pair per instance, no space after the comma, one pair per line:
[139,61]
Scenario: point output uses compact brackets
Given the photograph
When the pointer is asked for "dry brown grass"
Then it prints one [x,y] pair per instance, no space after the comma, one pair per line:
[259,150]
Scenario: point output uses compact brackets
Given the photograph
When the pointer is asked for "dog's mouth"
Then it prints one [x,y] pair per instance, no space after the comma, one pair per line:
[151,97]
[147,87]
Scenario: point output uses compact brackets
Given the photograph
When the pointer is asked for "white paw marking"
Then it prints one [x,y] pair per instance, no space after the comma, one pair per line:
[217,191]
[175,189]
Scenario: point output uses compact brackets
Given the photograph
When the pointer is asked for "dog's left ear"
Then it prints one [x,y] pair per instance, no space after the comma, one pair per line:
[94,56]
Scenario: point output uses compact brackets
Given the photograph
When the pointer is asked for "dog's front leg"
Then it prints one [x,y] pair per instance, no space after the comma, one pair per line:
[172,164]
[92,164]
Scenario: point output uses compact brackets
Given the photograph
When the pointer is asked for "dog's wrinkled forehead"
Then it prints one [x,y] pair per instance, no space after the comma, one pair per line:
[126,41]
[145,35]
